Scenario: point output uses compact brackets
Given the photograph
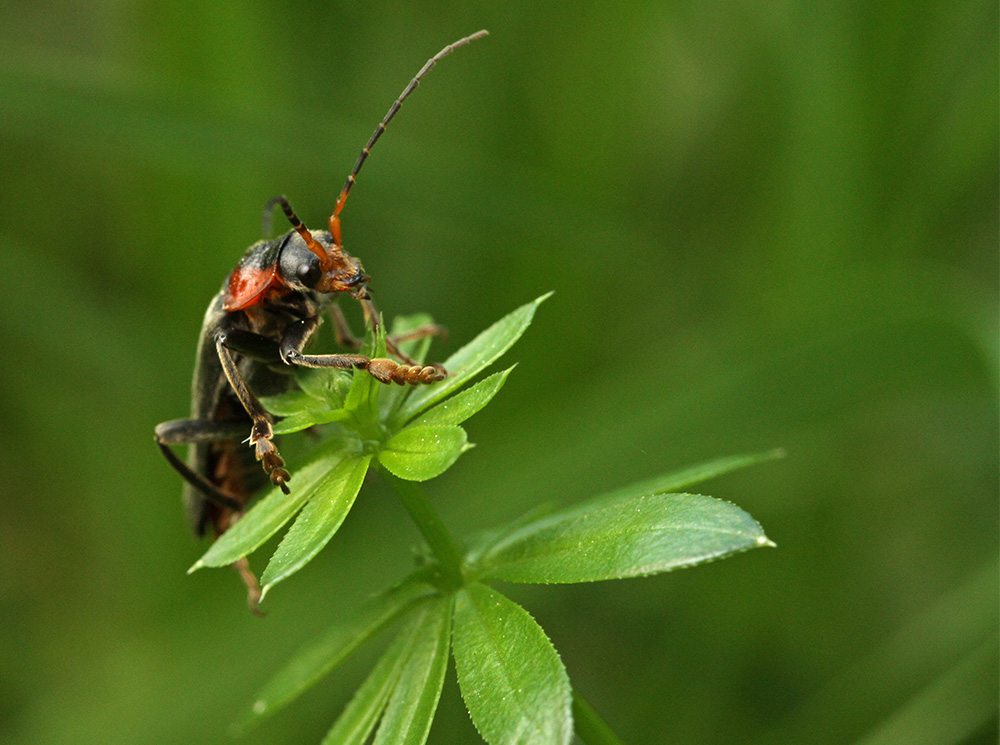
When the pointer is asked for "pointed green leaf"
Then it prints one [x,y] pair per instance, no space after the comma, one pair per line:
[274,510]
[468,361]
[461,406]
[319,520]
[410,710]
[629,537]
[316,660]
[421,453]
[306,419]
[667,483]
[512,680]
[358,719]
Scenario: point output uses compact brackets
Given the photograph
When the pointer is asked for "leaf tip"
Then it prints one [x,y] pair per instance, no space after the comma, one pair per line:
[196,566]
[764,542]
[541,299]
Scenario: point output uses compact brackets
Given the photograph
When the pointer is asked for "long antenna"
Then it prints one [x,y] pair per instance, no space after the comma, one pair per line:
[335,217]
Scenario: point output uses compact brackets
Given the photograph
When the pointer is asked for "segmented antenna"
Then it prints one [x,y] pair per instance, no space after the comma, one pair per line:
[301,229]
[335,217]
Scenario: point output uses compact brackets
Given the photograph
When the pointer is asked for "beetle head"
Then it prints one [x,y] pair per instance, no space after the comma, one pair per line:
[315,262]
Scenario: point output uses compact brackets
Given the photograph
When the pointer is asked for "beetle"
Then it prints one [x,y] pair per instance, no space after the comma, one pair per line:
[253,336]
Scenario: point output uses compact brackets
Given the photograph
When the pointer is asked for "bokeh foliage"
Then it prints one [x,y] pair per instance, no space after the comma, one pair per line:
[766,225]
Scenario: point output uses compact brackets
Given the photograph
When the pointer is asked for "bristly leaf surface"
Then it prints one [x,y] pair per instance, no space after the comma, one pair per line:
[674,481]
[410,710]
[418,453]
[622,537]
[318,520]
[513,682]
[276,508]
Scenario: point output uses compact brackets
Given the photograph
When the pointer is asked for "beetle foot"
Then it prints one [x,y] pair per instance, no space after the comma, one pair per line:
[387,371]
[242,566]
[269,458]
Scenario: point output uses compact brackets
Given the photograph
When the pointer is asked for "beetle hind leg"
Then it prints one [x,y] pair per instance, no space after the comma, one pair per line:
[189,431]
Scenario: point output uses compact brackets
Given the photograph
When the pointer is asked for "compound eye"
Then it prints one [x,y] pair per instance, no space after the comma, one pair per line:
[308,273]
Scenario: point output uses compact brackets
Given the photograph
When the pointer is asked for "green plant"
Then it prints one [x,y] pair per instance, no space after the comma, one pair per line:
[511,677]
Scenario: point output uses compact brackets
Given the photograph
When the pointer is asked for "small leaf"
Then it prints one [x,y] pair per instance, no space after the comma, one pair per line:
[306,419]
[468,361]
[318,521]
[328,386]
[410,710]
[421,453]
[362,397]
[289,403]
[316,660]
[629,537]
[274,510]
[358,719]
[512,680]
[461,406]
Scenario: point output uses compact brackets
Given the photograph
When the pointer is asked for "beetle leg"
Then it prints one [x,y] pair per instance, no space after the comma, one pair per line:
[392,341]
[189,431]
[382,369]
[252,345]
[341,330]
[346,338]
[261,433]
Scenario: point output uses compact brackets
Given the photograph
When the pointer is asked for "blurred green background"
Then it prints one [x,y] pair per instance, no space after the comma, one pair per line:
[769,224]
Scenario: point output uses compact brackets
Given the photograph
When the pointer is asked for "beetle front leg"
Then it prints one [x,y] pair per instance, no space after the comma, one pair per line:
[261,433]
[392,341]
[346,338]
[382,369]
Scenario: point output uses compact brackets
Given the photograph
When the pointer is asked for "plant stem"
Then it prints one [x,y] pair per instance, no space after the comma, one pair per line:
[442,545]
[589,725]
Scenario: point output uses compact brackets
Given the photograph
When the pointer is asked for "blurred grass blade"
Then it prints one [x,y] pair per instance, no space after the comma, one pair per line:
[923,650]
[475,356]
[316,660]
[512,680]
[678,481]
[461,406]
[590,727]
[686,477]
[266,517]
[318,521]
[421,453]
[618,538]
[410,711]
[950,710]
[359,717]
